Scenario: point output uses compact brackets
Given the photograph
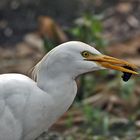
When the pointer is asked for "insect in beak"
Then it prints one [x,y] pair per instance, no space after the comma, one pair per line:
[113,63]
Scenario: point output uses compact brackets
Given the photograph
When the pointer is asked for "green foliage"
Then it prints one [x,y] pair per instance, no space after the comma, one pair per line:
[127,89]
[88,28]
[89,84]
[70,138]
[69,121]
[96,119]
[48,44]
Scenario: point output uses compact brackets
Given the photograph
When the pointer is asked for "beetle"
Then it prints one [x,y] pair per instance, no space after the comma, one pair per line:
[126,76]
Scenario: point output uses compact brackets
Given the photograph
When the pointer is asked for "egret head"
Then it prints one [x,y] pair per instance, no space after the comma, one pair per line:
[75,58]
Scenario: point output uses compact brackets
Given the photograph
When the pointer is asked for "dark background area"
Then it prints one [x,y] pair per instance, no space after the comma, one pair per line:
[20,17]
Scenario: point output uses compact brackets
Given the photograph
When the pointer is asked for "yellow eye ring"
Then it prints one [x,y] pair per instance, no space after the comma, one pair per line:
[85,54]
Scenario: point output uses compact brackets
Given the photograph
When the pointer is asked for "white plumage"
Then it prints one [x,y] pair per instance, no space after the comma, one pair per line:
[27,108]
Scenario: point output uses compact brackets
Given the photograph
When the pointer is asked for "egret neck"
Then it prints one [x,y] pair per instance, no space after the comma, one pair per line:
[59,85]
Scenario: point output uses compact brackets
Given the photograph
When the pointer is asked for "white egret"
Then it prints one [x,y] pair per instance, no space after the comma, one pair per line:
[27,108]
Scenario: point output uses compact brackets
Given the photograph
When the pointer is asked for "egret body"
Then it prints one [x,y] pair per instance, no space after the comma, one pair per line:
[27,108]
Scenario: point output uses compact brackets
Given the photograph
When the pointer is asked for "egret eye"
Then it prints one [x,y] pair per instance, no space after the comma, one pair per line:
[85,54]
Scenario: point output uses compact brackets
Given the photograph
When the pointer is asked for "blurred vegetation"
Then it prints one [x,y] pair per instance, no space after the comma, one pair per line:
[99,123]
[88,28]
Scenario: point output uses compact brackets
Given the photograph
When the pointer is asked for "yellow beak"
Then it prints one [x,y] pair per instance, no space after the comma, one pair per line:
[113,63]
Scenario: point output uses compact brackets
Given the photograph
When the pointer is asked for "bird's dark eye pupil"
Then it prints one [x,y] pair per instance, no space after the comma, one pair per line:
[85,54]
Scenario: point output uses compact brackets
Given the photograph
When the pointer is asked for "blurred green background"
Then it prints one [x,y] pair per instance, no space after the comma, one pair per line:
[106,108]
